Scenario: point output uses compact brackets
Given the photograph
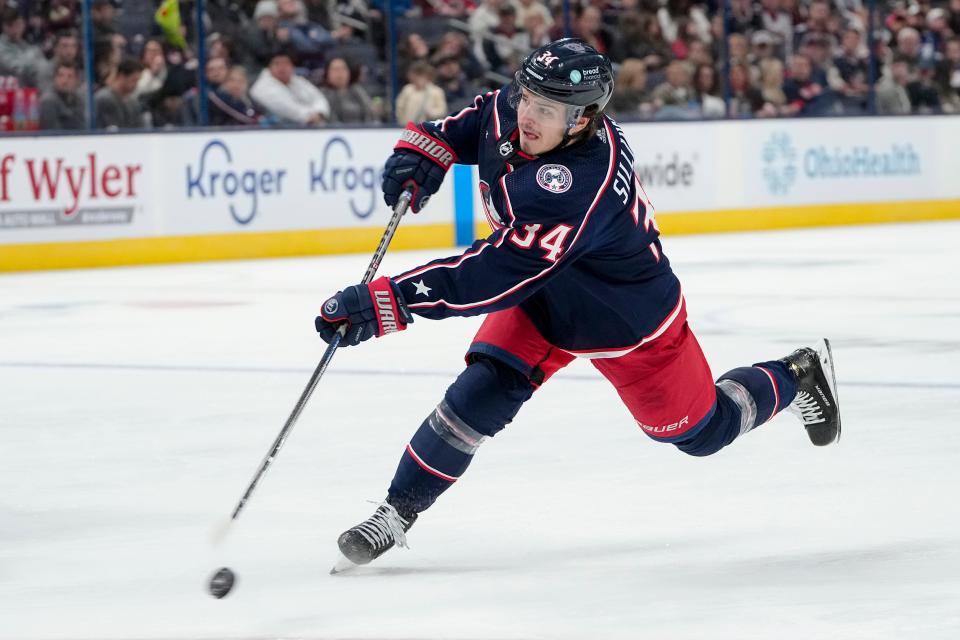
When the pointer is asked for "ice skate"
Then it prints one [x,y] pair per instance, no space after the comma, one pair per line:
[816,400]
[373,537]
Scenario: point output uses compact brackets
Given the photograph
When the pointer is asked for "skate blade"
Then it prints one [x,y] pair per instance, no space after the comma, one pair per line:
[826,361]
[343,565]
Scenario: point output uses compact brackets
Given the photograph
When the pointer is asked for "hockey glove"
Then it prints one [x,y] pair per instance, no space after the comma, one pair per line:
[369,310]
[420,160]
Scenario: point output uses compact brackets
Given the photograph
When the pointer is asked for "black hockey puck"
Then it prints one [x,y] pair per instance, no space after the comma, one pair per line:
[222,582]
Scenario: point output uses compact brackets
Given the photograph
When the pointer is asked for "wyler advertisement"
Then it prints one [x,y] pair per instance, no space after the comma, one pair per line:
[72,189]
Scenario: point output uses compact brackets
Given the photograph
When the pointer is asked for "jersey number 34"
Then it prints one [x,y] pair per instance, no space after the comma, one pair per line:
[551,241]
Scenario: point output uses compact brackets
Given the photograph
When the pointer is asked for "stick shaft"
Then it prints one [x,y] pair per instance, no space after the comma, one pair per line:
[398,211]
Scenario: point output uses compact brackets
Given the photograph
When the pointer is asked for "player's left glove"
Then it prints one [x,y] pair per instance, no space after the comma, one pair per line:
[419,162]
[369,310]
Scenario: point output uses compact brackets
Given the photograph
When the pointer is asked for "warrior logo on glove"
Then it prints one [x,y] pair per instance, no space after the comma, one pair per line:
[420,161]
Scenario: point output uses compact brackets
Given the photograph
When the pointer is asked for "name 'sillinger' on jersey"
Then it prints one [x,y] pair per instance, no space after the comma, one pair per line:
[573,238]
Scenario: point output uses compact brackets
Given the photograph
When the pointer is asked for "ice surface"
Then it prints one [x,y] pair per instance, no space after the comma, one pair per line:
[135,405]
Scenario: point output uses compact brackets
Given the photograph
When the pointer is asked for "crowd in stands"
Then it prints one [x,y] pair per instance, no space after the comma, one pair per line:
[320,62]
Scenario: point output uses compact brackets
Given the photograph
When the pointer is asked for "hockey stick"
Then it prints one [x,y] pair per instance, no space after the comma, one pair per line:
[398,211]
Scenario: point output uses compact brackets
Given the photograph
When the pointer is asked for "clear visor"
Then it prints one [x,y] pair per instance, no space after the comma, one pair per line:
[544,110]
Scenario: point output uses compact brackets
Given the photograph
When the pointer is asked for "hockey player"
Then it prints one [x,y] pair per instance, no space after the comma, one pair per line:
[573,268]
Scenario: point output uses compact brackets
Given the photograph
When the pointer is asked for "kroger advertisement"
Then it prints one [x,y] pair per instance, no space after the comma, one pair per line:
[282,180]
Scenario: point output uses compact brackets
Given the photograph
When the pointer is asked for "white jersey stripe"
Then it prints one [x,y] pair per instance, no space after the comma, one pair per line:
[616,353]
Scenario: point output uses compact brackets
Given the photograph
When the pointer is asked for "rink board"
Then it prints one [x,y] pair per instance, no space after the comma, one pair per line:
[100,200]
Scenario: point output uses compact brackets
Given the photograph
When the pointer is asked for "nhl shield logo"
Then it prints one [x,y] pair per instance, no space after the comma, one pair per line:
[506,148]
[555,178]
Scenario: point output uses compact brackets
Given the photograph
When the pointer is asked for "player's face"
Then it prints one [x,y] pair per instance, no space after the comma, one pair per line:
[542,123]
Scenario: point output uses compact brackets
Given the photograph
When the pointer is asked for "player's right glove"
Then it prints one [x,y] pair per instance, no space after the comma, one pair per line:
[369,310]
[420,160]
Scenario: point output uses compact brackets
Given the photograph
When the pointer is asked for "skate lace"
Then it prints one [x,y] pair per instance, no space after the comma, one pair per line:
[383,527]
[806,407]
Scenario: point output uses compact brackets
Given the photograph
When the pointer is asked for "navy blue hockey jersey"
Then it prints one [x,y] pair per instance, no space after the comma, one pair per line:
[574,241]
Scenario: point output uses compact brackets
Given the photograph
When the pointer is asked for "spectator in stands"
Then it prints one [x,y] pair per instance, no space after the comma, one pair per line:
[706,91]
[216,70]
[526,8]
[230,104]
[508,44]
[743,18]
[805,96]
[738,49]
[411,49]
[288,97]
[349,102]
[908,45]
[457,88]
[588,26]
[686,36]
[66,48]
[482,21]
[745,99]
[937,32]
[420,99]
[115,105]
[674,11]
[948,76]
[537,25]
[102,16]
[763,45]
[779,23]
[675,99]
[820,21]
[631,99]
[62,14]
[892,96]
[61,108]
[154,62]
[954,20]
[169,107]
[816,47]
[849,74]
[223,47]
[641,39]
[309,41]
[771,88]
[698,53]
[260,39]
[17,57]
[455,43]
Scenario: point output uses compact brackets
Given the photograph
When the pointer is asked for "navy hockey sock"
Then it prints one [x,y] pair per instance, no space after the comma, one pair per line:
[746,398]
[484,398]
[762,391]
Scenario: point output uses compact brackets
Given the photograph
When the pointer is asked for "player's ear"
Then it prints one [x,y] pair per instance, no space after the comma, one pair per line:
[581,125]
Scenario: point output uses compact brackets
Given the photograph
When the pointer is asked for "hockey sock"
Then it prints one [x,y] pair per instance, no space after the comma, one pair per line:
[437,455]
[746,398]
[761,391]
[484,398]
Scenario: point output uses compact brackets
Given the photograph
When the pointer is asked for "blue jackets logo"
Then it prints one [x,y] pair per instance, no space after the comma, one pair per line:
[215,177]
[782,162]
[336,172]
